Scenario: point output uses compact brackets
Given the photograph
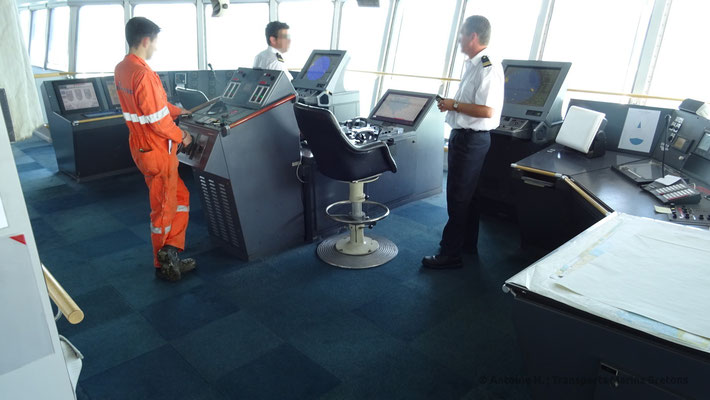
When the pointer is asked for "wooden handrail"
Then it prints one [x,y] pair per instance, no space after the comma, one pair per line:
[569,182]
[586,196]
[84,121]
[61,298]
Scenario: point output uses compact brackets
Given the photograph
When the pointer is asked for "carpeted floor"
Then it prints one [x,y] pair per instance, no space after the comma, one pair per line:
[286,326]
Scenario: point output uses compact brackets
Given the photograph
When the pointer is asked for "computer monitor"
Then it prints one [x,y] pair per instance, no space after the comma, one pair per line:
[110,86]
[319,69]
[77,95]
[533,89]
[402,108]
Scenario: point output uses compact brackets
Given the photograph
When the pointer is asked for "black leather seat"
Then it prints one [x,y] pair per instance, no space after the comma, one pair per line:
[338,158]
[190,98]
[335,155]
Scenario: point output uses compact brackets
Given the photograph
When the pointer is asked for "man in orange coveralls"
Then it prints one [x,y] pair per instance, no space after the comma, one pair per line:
[154,140]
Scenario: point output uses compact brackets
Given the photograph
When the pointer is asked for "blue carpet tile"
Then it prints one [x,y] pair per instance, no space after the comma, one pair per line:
[155,375]
[282,373]
[284,326]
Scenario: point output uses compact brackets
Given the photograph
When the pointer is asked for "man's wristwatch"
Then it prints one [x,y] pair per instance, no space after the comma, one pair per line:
[456,105]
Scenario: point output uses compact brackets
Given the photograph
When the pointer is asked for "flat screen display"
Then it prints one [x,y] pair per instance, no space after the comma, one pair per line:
[78,96]
[321,67]
[529,86]
[319,70]
[112,92]
[401,108]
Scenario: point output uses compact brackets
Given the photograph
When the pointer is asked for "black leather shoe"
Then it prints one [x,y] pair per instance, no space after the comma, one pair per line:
[442,262]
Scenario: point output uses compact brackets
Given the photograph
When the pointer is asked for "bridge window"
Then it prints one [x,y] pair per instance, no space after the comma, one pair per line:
[362,30]
[512,33]
[58,53]
[177,42]
[310,24]
[38,40]
[420,38]
[237,36]
[682,64]
[101,38]
[602,39]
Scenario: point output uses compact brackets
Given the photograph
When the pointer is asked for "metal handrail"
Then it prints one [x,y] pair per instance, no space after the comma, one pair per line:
[61,298]
[381,73]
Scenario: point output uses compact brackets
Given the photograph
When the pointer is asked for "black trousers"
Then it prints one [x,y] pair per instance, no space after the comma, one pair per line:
[467,151]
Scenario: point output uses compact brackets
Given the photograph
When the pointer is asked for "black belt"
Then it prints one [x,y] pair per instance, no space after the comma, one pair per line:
[470,130]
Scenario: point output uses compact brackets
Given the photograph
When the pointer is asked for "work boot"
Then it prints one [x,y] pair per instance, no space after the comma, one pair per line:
[171,267]
[187,265]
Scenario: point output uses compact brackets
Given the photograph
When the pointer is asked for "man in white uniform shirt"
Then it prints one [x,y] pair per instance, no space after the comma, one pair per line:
[472,113]
[279,41]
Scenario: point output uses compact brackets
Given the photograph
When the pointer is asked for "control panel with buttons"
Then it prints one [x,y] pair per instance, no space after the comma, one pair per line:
[690,215]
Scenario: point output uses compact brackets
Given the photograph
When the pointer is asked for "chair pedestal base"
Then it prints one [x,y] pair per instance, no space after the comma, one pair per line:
[328,252]
[357,244]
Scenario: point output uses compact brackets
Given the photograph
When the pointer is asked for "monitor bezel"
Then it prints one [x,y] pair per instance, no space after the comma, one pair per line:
[56,85]
[430,99]
[301,82]
[523,111]
[106,81]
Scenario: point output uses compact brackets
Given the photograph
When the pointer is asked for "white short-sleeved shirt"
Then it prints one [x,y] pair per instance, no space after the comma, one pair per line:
[268,59]
[482,84]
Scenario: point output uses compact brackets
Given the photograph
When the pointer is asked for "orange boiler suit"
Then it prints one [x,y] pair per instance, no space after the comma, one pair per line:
[153,140]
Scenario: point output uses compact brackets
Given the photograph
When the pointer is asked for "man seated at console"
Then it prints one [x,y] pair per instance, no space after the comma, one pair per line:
[279,41]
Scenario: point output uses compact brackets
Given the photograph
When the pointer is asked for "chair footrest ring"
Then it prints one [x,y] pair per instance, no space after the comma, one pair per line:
[341,211]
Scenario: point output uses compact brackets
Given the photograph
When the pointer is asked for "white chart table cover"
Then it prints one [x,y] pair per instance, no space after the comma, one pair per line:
[651,275]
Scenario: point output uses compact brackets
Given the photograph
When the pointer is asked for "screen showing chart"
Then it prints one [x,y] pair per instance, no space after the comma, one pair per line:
[529,86]
[319,70]
[78,96]
[400,108]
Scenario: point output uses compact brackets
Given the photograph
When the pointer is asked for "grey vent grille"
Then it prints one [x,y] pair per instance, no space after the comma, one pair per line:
[220,210]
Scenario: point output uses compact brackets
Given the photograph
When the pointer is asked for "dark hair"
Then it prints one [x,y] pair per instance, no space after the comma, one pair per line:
[137,28]
[480,25]
[273,28]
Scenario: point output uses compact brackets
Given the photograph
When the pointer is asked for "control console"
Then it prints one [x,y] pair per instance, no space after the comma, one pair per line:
[247,93]
[515,127]
[360,131]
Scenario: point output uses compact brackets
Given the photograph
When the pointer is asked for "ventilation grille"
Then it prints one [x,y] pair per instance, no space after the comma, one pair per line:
[220,210]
